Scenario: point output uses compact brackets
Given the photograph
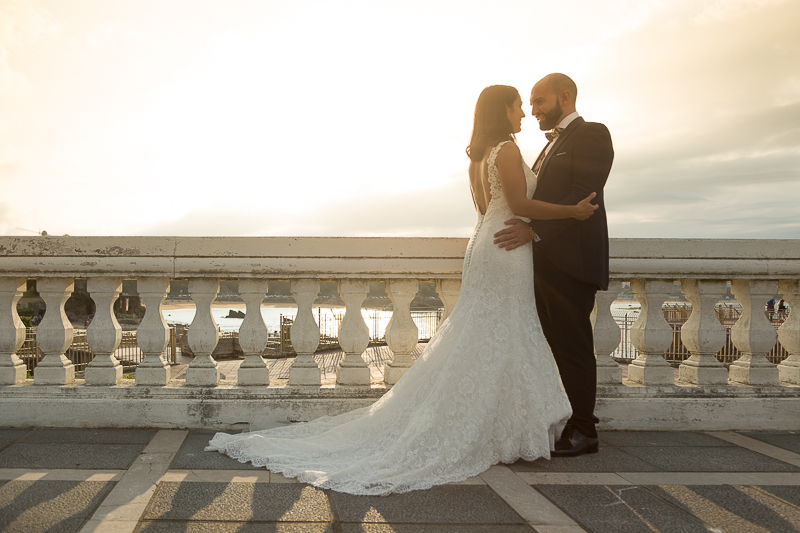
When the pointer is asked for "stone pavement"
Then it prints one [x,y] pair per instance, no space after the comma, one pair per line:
[94,481]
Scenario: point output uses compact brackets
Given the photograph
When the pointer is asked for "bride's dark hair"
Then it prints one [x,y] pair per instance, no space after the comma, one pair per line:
[491,124]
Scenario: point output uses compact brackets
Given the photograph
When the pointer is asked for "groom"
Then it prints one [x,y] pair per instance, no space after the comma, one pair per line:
[570,256]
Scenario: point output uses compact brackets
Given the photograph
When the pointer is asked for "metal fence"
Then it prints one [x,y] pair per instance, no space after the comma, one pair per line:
[128,352]
[281,342]
[676,315]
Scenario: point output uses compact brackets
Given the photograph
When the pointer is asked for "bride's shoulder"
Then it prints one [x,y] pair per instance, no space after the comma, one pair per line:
[509,152]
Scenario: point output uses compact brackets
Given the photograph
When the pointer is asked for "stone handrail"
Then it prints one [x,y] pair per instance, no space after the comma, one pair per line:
[368,257]
[233,257]
[757,269]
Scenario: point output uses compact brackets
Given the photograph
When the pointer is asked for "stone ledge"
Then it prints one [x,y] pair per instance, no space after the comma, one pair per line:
[686,390]
[369,257]
[231,408]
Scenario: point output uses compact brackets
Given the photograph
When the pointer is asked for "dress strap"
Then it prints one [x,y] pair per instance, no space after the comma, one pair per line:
[494,176]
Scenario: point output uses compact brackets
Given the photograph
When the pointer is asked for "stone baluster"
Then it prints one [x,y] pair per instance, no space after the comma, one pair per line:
[789,333]
[203,334]
[353,335]
[12,331]
[753,334]
[448,290]
[104,333]
[153,333]
[651,334]
[606,336]
[253,334]
[703,334]
[402,334]
[54,334]
[305,372]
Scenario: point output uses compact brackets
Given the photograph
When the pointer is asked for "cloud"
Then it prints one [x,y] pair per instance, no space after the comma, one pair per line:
[269,118]
[21,24]
[728,180]
[5,220]
[707,133]
[443,211]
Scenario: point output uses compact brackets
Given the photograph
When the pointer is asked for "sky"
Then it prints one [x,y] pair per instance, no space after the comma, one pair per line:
[350,118]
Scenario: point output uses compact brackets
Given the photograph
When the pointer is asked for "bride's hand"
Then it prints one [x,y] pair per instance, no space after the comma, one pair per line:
[584,209]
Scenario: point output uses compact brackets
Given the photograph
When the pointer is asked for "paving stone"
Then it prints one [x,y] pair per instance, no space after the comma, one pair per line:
[70,455]
[432,528]
[621,509]
[192,455]
[90,436]
[707,459]
[7,436]
[659,438]
[608,459]
[788,440]
[787,493]
[449,504]
[732,509]
[171,526]
[238,502]
[49,506]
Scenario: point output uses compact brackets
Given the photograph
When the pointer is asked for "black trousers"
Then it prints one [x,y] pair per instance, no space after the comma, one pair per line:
[565,306]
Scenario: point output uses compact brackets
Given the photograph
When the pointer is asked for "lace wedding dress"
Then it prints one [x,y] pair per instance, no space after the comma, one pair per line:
[485,390]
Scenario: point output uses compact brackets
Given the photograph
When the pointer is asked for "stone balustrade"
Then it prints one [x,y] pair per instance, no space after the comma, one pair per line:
[757,269]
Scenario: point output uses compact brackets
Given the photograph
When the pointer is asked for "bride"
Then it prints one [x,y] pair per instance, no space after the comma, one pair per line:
[486,388]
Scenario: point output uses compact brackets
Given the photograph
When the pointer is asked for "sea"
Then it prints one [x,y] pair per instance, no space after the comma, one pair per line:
[374,318]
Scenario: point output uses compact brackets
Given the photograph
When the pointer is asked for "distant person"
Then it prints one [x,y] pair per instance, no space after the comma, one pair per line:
[782,309]
[485,389]
[771,308]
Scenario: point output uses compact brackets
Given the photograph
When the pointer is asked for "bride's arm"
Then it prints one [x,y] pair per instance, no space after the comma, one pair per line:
[512,178]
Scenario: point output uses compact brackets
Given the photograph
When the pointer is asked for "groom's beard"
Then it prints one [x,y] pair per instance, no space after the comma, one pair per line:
[550,119]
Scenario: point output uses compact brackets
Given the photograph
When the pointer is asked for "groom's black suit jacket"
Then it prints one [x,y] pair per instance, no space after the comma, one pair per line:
[578,164]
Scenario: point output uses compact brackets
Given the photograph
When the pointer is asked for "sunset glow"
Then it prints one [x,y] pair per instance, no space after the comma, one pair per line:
[351,118]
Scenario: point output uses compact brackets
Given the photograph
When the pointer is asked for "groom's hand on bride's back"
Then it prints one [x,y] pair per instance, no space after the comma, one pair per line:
[517,234]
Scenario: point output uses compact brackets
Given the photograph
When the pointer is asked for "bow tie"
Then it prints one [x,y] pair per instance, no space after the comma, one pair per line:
[553,135]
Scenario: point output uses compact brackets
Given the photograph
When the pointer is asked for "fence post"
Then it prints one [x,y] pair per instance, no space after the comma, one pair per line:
[153,333]
[104,333]
[12,331]
[203,334]
[703,334]
[448,290]
[305,334]
[651,335]
[253,334]
[753,335]
[606,336]
[789,333]
[402,333]
[54,335]
[353,335]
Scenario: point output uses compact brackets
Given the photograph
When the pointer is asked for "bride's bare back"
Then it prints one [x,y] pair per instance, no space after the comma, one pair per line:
[479,181]
[511,173]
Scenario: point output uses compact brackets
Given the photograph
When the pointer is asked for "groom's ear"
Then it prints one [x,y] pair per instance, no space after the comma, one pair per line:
[564,96]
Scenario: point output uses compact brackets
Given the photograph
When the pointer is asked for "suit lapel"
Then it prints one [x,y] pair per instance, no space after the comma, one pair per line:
[558,142]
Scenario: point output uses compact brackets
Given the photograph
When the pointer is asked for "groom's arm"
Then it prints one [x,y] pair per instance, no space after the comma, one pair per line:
[593,154]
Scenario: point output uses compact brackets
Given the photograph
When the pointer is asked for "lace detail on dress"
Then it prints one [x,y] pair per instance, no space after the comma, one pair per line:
[495,188]
[484,391]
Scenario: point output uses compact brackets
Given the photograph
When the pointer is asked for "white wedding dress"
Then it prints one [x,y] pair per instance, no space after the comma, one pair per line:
[485,390]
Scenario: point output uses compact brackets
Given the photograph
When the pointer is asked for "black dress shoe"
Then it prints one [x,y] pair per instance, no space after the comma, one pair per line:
[573,443]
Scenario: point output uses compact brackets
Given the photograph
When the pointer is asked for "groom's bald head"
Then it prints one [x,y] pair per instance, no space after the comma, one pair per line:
[552,99]
[558,83]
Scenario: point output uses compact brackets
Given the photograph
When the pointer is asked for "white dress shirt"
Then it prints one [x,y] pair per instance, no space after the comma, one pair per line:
[563,124]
